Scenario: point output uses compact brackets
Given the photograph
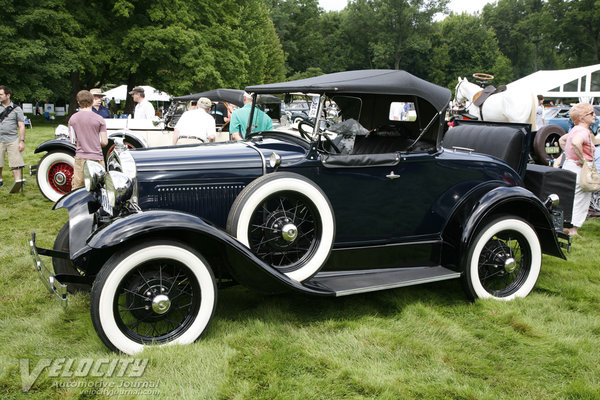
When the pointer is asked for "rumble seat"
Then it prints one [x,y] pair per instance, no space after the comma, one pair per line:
[505,142]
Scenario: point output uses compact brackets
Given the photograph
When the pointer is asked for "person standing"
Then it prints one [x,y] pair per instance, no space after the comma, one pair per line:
[240,117]
[539,113]
[196,125]
[97,107]
[90,135]
[12,134]
[143,109]
[579,148]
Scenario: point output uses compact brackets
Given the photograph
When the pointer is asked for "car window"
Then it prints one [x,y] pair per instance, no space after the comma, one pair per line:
[402,111]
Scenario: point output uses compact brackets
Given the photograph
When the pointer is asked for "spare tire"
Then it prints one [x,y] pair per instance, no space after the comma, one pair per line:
[545,144]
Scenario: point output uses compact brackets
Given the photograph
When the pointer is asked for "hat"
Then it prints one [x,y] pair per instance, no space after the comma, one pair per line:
[97,92]
[204,102]
[137,89]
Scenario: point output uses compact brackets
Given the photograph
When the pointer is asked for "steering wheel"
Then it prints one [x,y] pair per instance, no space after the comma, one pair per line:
[308,136]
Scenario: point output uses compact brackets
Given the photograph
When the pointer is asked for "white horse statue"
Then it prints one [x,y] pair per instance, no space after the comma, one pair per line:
[510,105]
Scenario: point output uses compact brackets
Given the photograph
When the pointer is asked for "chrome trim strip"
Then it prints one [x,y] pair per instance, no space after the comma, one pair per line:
[48,278]
[262,156]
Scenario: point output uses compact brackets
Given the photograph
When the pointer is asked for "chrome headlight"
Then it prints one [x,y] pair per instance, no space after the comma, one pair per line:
[119,188]
[93,175]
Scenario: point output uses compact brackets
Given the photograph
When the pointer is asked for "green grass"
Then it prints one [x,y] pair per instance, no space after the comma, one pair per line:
[424,342]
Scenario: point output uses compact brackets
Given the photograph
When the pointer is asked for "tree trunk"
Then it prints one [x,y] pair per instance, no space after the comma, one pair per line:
[129,104]
[75,79]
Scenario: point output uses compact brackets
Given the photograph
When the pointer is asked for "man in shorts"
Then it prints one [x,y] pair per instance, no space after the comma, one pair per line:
[90,135]
[12,134]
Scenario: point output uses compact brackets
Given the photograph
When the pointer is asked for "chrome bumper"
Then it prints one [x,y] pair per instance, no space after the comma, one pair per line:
[47,277]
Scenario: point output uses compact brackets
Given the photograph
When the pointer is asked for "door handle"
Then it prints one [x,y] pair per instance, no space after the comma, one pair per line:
[392,175]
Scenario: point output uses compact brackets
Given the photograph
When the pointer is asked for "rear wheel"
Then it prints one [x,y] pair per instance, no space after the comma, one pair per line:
[54,174]
[160,292]
[503,261]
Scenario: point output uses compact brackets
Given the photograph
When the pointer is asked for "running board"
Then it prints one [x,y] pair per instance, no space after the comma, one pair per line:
[344,283]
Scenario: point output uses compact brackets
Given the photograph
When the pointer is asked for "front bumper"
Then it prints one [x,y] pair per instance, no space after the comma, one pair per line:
[47,277]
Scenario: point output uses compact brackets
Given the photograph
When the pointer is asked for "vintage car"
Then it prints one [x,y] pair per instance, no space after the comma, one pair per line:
[55,170]
[367,204]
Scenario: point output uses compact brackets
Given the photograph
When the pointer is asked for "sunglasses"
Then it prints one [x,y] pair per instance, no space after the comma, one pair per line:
[592,113]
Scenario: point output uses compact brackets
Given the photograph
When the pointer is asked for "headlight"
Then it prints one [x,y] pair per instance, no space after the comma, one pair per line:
[119,188]
[93,175]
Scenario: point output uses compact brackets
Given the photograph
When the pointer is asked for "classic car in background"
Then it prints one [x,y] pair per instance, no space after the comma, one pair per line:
[367,204]
[55,170]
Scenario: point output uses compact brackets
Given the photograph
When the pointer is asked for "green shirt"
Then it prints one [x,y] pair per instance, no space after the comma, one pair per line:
[239,120]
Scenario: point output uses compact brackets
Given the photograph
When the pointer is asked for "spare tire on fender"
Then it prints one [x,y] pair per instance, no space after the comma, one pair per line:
[285,220]
[545,144]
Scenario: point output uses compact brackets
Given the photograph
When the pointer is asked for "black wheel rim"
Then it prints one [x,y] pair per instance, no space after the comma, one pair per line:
[138,309]
[271,232]
[504,263]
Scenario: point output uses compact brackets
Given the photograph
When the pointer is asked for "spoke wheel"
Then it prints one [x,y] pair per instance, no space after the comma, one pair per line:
[286,221]
[54,175]
[503,261]
[285,230]
[157,301]
[158,292]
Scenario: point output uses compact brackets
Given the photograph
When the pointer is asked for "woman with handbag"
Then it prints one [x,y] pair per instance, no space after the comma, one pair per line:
[579,149]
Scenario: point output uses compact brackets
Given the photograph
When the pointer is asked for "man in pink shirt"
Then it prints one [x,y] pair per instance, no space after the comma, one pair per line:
[90,133]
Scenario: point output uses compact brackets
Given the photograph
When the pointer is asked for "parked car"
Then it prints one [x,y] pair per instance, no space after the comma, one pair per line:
[366,205]
[55,170]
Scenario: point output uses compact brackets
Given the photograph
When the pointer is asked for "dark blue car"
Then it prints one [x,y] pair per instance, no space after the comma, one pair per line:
[357,203]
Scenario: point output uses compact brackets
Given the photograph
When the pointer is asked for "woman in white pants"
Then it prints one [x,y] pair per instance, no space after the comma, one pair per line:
[579,148]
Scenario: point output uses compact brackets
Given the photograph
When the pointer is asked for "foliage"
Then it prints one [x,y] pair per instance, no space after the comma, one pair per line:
[421,342]
[465,46]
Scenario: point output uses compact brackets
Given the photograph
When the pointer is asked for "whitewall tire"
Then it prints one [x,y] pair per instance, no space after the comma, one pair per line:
[504,260]
[160,292]
[54,174]
[287,221]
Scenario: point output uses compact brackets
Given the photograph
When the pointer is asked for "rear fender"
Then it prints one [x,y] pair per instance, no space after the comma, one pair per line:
[56,145]
[486,203]
[221,249]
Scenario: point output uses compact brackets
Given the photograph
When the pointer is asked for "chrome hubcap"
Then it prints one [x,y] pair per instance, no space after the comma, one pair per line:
[510,265]
[60,178]
[161,304]
[289,232]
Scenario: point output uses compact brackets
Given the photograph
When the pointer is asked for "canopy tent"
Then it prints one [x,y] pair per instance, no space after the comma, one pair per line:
[151,94]
[582,83]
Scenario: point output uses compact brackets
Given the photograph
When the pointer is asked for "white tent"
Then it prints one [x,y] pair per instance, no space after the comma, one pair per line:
[120,93]
[582,83]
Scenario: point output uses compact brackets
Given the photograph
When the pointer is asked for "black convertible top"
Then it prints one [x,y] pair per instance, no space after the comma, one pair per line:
[370,81]
[233,96]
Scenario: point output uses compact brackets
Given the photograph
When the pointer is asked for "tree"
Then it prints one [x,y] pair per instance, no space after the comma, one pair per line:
[465,46]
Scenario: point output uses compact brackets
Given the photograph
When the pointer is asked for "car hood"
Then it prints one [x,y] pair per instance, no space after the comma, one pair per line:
[224,155]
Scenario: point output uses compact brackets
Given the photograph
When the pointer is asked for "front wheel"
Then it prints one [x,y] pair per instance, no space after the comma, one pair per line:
[160,292]
[503,261]
[54,174]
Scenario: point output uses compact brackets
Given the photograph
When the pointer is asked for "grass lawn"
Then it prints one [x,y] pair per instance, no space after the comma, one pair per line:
[424,342]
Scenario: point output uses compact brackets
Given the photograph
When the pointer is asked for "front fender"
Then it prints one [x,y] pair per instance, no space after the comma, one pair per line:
[131,137]
[513,200]
[56,145]
[239,261]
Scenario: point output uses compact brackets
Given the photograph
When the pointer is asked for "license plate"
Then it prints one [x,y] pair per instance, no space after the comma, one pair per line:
[552,150]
